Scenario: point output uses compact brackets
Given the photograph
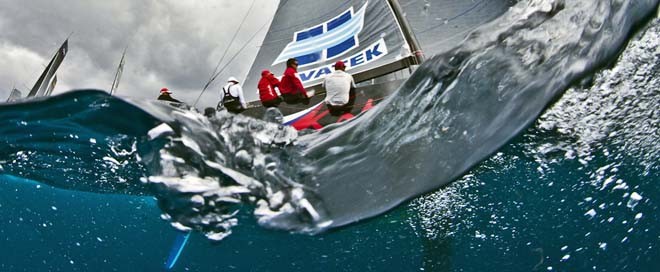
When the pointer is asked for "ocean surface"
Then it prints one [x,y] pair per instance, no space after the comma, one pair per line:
[531,146]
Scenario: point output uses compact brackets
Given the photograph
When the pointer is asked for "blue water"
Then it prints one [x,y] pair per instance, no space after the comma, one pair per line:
[555,170]
[506,214]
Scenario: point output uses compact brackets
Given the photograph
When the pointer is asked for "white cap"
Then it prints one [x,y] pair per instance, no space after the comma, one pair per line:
[232,79]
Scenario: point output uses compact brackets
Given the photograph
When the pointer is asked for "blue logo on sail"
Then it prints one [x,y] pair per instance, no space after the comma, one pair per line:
[325,41]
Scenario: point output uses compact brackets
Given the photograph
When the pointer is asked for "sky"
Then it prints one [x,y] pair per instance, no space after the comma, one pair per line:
[169,43]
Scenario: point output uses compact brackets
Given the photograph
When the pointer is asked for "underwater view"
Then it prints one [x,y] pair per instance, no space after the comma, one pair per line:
[531,145]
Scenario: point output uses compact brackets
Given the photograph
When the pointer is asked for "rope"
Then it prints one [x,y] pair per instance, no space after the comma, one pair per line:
[215,74]
[453,18]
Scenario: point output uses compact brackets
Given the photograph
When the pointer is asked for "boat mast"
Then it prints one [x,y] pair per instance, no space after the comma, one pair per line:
[418,55]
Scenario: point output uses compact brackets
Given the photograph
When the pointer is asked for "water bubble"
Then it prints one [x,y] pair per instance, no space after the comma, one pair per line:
[591,213]
[634,200]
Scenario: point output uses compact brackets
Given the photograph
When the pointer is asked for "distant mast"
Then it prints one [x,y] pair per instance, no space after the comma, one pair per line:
[46,79]
[120,70]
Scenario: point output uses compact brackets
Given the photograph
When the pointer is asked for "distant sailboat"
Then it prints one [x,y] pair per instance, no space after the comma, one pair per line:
[15,95]
[46,82]
[120,70]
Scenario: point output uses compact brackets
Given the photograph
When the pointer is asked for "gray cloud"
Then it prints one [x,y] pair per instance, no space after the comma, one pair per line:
[174,44]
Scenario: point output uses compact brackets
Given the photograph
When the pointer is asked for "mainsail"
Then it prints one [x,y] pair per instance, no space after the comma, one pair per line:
[47,77]
[363,34]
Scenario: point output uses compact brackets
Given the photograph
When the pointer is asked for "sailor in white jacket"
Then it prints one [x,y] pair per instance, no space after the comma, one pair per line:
[231,96]
[340,90]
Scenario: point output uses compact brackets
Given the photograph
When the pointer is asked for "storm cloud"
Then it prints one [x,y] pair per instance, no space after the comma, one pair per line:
[174,44]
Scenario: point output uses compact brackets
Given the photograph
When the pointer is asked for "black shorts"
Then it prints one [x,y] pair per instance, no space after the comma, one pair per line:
[232,106]
[346,108]
[339,110]
[295,98]
[272,103]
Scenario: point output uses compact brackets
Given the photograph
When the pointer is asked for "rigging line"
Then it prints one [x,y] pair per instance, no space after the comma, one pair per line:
[232,59]
[454,18]
[213,75]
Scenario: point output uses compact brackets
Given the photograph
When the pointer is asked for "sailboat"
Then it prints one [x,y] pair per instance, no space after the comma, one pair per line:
[376,39]
[46,82]
[120,71]
[14,95]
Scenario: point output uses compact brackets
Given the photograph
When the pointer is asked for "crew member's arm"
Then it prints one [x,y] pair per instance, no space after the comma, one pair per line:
[240,95]
[222,94]
[299,86]
[276,85]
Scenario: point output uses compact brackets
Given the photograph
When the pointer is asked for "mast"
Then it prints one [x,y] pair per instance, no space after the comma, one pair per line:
[51,87]
[45,79]
[415,48]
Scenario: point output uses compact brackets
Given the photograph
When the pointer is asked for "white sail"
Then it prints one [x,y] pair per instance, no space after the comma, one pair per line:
[40,88]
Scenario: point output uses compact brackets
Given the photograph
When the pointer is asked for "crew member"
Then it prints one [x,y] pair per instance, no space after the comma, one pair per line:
[165,95]
[340,90]
[268,89]
[291,87]
[231,96]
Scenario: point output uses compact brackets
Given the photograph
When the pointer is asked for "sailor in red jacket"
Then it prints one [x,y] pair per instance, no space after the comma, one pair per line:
[291,87]
[268,87]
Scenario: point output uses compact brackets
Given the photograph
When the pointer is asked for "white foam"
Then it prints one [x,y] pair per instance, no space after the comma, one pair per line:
[634,200]
[159,130]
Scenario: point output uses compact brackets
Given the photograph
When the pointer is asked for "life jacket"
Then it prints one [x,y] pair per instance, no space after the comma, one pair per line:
[231,103]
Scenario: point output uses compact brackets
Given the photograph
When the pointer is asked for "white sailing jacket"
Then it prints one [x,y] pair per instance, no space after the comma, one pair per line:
[337,86]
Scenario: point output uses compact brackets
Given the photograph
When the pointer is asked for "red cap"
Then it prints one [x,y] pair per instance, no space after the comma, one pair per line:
[339,65]
[165,90]
[265,72]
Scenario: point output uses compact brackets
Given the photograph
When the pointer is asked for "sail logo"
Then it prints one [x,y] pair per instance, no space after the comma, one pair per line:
[371,53]
[327,40]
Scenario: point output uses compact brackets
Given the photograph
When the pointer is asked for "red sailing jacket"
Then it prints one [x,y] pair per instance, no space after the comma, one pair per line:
[291,84]
[267,85]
